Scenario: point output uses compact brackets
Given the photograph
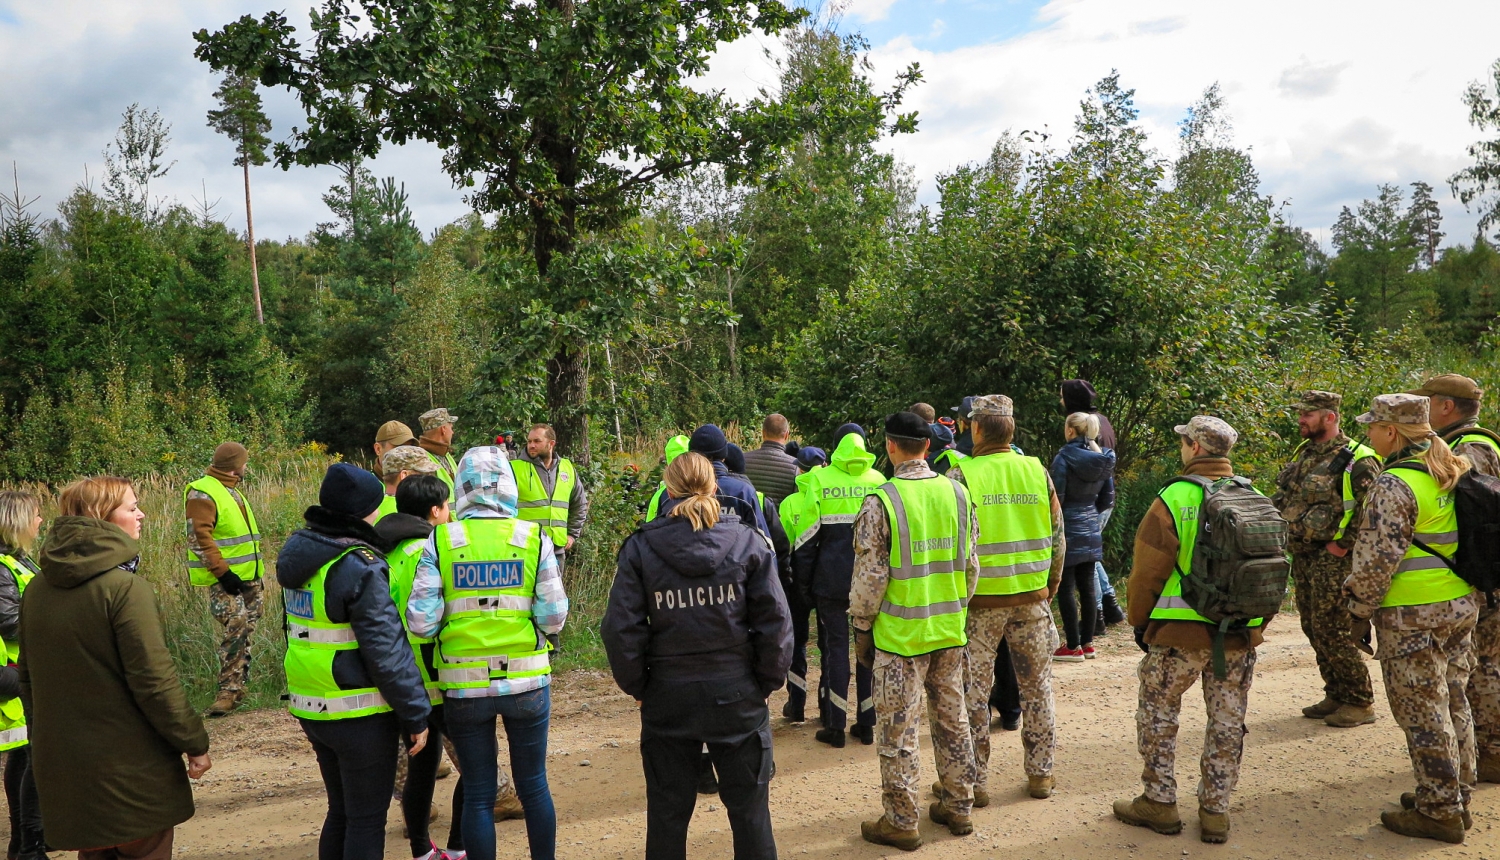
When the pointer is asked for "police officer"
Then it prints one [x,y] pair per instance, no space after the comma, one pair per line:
[1179,645]
[549,490]
[796,517]
[1422,612]
[915,568]
[698,630]
[1319,493]
[437,441]
[735,494]
[675,447]
[822,565]
[224,556]
[1021,555]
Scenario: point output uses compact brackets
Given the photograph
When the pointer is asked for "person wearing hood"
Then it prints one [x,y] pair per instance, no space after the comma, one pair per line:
[110,721]
[20,523]
[736,495]
[795,516]
[551,491]
[489,591]
[1083,474]
[698,631]
[352,678]
[1078,395]
[224,556]
[437,441]
[822,567]
[675,447]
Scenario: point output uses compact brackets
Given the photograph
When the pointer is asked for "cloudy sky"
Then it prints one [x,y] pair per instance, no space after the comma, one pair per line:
[1333,98]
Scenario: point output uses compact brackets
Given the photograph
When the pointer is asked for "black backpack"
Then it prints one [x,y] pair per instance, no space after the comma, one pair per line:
[1240,564]
[1476,500]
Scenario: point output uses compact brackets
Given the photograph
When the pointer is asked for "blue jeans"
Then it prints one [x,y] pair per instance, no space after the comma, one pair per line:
[471,725]
[1104,585]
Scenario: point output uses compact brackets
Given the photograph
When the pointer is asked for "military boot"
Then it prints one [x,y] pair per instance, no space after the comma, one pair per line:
[1410,822]
[981,794]
[508,807]
[1349,716]
[1489,768]
[1213,827]
[1409,801]
[1040,787]
[224,704]
[1145,812]
[883,832]
[832,737]
[1321,710]
[958,825]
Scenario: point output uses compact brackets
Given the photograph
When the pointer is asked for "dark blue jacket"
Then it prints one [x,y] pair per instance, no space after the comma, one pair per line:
[736,496]
[357,592]
[1085,486]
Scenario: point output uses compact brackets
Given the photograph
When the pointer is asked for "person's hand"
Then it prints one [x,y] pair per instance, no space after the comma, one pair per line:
[1335,550]
[418,741]
[1359,633]
[1140,639]
[568,547]
[556,640]
[231,583]
[864,647]
[198,765]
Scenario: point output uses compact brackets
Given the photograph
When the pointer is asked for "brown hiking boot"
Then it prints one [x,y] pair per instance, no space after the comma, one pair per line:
[1213,827]
[1145,812]
[1040,787]
[1321,709]
[1489,768]
[1410,822]
[444,768]
[958,825]
[1349,716]
[981,795]
[882,832]
[1409,801]
[224,704]
[508,806]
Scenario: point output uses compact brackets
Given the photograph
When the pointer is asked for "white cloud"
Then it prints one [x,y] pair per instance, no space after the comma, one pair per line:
[870,10]
[1309,81]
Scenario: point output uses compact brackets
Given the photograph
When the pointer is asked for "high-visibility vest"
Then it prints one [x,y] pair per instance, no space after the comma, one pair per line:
[534,505]
[926,600]
[12,714]
[1360,452]
[489,568]
[656,499]
[1421,577]
[312,642]
[834,497]
[1483,438]
[1014,508]
[387,507]
[403,563]
[794,516]
[952,455]
[236,534]
[1183,499]
[447,472]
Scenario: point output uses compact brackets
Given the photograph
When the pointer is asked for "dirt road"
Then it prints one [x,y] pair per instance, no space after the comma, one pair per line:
[1306,790]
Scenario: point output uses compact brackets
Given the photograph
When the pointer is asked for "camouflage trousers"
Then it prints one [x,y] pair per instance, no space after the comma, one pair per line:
[1167,673]
[899,686]
[1426,675]
[1319,578]
[1032,636]
[1484,683]
[506,787]
[237,614]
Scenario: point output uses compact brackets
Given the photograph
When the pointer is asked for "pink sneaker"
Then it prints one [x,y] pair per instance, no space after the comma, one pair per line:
[1088,652]
[1064,654]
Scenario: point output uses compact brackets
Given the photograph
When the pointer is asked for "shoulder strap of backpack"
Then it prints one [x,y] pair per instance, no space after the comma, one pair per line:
[1474,431]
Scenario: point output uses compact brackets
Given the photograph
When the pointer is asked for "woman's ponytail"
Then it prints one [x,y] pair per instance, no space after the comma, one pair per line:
[690,480]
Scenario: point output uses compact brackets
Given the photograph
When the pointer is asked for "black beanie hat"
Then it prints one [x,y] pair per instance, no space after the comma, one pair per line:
[734,459]
[907,425]
[811,456]
[709,441]
[845,430]
[351,490]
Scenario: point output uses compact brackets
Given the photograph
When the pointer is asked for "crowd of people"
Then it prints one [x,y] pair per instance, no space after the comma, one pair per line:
[423,606]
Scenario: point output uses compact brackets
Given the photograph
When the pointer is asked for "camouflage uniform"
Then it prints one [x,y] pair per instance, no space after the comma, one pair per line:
[900,681]
[239,613]
[1166,673]
[1311,499]
[506,787]
[1032,636]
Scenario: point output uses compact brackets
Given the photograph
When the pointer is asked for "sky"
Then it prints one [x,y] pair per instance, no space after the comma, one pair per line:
[1331,98]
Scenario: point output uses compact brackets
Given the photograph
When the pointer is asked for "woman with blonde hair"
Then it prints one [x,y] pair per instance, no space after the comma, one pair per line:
[1083,474]
[698,631]
[1422,612]
[111,720]
[20,523]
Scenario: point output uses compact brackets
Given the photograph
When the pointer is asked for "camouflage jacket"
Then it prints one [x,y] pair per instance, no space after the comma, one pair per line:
[1485,461]
[1310,495]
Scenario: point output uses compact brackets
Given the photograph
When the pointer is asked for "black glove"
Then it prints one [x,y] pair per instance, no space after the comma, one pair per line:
[1360,634]
[231,583]
[556,640]
[1140,639]
[864,648]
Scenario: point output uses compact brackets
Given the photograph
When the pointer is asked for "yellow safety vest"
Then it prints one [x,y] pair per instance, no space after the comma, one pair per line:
[926,600]
[534,505]
[489,568]
[1422,577]
[1183,499]
[237,535]
[1014,508]
[312,642]
[403,563]
[12,714]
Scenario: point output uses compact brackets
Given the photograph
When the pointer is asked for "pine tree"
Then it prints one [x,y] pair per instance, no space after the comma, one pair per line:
[241,119]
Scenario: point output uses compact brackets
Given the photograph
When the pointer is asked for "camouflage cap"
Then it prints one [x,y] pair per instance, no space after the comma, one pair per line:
[1396,409]
[393,433]
[436,418]
[407,458]
[1214,434]
[1451,385]
[1313,400]
[993,404]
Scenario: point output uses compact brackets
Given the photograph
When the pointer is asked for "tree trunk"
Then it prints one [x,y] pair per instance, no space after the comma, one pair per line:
[260,315]
[567,397]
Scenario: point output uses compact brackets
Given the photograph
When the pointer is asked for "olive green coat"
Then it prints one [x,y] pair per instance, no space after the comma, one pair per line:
[109,719]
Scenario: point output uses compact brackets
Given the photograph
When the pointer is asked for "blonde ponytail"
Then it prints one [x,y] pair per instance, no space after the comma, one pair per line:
[1443,465]
[690,479]
[1085,426]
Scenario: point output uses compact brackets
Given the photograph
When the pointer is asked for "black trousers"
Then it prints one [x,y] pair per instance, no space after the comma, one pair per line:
[730,716]
[1079,578]
[358,760]
[421,781]
[1005,696]
[796,679]
[833,615]
[25,809]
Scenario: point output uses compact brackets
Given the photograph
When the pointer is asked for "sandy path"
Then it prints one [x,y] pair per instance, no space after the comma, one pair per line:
[1306,790]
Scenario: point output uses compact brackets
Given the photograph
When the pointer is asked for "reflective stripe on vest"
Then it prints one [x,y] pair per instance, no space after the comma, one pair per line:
[13,737]
[12,713]
[1421,577]
[313,642]
[1014,507]
[1183,500]
[534,505]
[22,575]
[1361,452]
[926,599]
[489,570]
[235,533]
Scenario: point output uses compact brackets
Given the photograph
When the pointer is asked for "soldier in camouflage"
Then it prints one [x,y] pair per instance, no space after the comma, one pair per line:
[1454,402]
[1310,493]
[1424,633]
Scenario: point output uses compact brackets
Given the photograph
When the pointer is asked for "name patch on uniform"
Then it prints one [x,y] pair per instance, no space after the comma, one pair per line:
[687,598]
[845,492]
[931,544]
[488,574]
[299,602]
[1011,499]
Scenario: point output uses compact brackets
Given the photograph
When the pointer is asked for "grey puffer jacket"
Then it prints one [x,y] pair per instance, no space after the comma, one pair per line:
[1085,487]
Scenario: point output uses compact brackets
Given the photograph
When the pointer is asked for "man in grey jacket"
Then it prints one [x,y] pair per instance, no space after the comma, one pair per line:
[770,468]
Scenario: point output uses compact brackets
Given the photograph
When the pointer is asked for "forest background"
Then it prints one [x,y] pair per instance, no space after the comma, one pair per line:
[813,285]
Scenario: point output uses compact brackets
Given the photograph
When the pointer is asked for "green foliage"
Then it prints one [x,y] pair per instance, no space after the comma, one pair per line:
[1478,185]
[240,118]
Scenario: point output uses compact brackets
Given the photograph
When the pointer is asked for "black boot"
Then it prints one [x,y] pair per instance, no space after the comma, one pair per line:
[1099,627]
[832,737]
[1113,614]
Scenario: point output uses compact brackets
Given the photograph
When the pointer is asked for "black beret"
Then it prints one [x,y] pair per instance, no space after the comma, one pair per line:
[907,425]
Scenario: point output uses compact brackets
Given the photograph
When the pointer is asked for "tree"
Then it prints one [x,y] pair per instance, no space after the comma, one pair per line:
[136,157]
[1426,223]
[1478,185]
[1378,249]
[560,115]
[241,119]
[1105,133]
